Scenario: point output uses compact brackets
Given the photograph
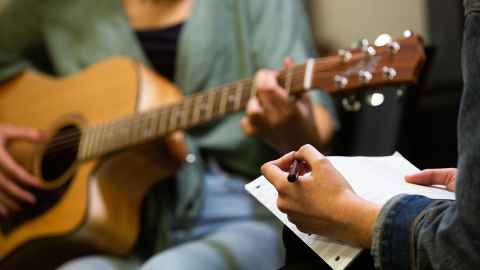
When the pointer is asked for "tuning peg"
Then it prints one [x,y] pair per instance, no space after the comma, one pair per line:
[345,55]
[394,47]
[407,33]
[383,40]
[389,73]
[363,43]
[370,51]
[365,76]
[340,81]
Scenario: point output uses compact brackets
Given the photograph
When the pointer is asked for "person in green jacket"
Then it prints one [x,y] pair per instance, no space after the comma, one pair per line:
[211,223]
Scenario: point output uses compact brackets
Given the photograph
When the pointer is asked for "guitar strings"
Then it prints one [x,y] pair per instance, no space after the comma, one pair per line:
[72,139]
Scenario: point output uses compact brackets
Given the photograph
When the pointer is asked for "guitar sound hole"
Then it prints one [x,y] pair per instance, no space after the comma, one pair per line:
[61,153]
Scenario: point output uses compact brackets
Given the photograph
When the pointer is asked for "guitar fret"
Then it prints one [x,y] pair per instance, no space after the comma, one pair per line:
[186,112]
[152,122]
[94,145]
[173,121]
[217,96]
[163,116]
[85,144]
[196,109]
[223,101]
[238,96]
[209,106]
[231,99]
[150,126]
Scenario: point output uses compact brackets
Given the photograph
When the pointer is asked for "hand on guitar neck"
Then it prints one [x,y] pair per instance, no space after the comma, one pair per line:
[12,176]
[277,117]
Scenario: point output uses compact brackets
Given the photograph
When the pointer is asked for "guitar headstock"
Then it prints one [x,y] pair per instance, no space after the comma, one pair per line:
[393,62]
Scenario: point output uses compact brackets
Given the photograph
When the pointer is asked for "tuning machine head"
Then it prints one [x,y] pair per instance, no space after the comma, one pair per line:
[345,55]
[394,47]
[364,46]
[370,51]
[363,43]
[340,81]
[389,73]
[365,76]
[383,40]
[407,33]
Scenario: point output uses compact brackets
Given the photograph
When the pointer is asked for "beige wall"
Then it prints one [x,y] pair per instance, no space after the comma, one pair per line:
[337,23]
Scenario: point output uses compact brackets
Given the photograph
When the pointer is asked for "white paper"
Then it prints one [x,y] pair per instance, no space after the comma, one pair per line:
[377,179]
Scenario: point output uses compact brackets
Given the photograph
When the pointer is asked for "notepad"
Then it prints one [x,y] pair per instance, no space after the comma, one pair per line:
[377,179]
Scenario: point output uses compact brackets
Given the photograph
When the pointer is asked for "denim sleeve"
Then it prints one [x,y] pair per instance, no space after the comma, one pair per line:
[414,232]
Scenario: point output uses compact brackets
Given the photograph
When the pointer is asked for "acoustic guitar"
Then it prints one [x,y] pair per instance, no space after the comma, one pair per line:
[96,165]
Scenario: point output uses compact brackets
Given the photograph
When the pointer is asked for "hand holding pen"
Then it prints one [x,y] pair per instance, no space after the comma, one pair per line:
[320,201]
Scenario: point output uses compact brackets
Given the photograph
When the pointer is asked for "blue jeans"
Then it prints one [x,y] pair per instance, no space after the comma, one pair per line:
[225,236]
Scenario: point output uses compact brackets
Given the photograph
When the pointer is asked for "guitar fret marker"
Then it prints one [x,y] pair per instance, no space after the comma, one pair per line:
[307,83]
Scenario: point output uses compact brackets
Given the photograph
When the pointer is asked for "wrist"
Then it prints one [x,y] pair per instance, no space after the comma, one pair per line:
[367,214]
[360,220]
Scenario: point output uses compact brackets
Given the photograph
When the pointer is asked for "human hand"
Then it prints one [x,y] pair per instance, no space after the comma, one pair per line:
[277,118]
[322,201]
[12,176]
[445,177]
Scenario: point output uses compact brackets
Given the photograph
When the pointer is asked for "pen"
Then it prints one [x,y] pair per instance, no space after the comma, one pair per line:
[294,171]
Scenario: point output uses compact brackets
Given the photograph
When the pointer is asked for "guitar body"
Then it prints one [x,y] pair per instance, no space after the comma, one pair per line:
[99,203]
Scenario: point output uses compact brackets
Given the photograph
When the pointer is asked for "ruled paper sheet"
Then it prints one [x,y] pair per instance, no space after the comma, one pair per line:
[374,178]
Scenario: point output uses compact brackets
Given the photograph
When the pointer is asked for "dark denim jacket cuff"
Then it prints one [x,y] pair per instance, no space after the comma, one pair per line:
[392,245]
